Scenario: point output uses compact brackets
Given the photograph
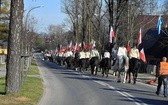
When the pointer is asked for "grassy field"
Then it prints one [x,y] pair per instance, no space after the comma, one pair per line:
[31,91]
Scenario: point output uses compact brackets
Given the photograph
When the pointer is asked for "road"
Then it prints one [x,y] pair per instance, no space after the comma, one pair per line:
[68,87]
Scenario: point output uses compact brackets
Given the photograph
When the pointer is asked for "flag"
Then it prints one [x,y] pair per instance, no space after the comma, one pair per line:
[70,45]
[111,35]
[159,23]
[141,51]
[93,44]
[76,47]
[128,47]
[56,51]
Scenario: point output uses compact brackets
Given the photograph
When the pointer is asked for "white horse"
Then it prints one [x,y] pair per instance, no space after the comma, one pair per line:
[122,62]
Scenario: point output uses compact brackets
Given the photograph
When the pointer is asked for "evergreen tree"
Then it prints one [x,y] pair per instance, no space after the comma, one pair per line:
[4,19]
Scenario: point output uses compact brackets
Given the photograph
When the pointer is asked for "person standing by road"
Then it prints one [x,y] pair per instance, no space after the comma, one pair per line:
[162,74]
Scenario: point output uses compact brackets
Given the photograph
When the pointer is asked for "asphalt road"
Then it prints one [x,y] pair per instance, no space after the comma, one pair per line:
[68,87]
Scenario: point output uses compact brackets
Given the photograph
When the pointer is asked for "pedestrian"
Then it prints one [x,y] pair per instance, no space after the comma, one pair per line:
[162,75]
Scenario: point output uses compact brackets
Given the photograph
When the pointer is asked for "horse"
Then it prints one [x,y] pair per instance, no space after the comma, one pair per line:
[69,62]
[122,62]
[94,63]
[134,67]
[82,64]
[105,64]
[76,61]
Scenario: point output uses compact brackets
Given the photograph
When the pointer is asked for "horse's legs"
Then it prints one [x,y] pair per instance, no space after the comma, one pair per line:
[135,76]
[103,72]
[129,76]
[92,70]
[125,75]
[107,71]
[119,76]
[95,69]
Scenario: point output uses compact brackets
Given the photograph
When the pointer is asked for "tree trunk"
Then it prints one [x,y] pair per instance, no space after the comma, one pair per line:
[13,75]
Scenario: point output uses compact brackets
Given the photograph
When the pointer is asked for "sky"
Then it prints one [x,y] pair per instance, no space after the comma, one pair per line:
[48,14]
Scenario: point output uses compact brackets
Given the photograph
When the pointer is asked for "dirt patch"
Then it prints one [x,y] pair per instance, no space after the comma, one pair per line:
[22,99]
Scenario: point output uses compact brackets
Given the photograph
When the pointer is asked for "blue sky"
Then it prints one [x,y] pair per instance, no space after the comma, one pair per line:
[49,14]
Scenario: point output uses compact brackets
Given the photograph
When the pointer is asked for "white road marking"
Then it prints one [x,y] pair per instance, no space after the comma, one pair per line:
[101,83]
[86,76]
[125,94]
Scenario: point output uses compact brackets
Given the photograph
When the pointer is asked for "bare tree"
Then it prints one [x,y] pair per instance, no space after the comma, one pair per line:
[99,23]
[73,9]
[116,9]
[165,9]
[13,75]
[56,35]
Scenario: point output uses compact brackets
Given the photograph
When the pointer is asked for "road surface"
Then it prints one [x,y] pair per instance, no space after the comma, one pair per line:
[68,87]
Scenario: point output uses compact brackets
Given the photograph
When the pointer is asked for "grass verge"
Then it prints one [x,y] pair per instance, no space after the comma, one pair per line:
[31,91]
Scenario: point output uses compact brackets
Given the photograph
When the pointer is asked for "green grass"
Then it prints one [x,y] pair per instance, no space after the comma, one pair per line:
[1,65]
[2,85]
[33,69]
[31,90]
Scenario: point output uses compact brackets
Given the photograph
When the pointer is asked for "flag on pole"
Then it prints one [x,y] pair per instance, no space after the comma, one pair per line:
[70,44]
[111,35]
[76,47]
[93,44]
[159,23]
[141,51]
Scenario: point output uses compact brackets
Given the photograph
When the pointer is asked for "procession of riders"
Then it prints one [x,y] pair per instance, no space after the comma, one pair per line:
[121,59]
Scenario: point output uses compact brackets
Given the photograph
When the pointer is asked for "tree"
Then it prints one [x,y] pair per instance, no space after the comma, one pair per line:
[56,35]
[165,10]
[116,9]
[13,75]
[4,19]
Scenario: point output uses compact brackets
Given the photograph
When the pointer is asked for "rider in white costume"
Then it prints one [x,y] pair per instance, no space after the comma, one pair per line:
[121,55]
[94,53]
[134,52]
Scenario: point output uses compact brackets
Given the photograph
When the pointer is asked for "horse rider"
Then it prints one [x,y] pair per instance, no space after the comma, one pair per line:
[134,62]
[94,60]
[68,55]
[134,52]
[60,57]
[121,55]
[87,58]
[94,53]
[76,59]
[106,54]
[81,58]
[105,63]
[162,75]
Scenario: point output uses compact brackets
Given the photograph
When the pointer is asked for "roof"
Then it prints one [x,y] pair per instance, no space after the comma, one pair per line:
[156,46]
